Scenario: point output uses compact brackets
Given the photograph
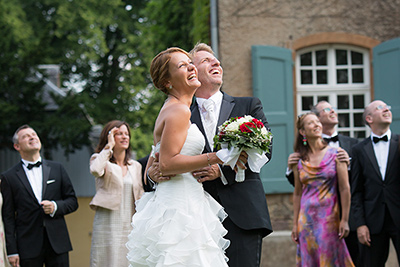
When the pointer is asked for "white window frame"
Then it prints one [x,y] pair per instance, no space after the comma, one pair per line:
[332,89]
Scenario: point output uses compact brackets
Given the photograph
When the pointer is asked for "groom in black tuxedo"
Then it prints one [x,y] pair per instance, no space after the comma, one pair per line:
[248,217]
[375,186]
[37,194]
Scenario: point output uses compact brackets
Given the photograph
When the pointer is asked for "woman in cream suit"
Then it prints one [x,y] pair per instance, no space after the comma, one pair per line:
[118,186]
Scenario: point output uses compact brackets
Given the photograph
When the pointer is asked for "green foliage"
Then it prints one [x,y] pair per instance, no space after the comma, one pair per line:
[18,107]
[180,23]
[104,49]
[144,116]
[168,24]
[200,18]
[59,129]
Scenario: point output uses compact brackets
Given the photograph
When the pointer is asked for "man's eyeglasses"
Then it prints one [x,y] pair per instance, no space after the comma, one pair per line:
[327,110]
[379,107]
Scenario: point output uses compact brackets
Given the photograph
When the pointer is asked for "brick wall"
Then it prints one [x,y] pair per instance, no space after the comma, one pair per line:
[243,23]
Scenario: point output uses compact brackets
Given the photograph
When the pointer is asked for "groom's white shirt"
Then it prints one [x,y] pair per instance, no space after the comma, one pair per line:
[217,98]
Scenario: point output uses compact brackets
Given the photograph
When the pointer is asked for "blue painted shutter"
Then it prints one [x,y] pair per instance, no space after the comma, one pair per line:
[273,84]
[386,62]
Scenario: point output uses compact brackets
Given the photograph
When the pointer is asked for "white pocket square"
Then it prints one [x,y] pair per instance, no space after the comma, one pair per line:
[50,181]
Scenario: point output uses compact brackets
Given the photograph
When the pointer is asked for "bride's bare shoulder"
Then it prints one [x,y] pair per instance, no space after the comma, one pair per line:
[176,110]
[175,113]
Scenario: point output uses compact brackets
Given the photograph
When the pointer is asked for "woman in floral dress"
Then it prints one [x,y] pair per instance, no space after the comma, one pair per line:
[320,179]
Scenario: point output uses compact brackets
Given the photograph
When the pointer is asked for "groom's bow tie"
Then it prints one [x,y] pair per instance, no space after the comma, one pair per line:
[37,164]
[331,139]
[377,139]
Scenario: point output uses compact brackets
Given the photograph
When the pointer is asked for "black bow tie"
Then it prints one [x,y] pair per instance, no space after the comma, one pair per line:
[37,164]
[377,139]
[331,139]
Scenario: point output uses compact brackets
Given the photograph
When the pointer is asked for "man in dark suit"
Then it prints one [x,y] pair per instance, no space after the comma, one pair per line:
[329,119]
[248,218]
[375,184]
[37,194]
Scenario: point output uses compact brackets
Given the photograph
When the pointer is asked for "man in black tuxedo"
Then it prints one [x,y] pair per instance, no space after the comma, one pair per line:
[375,185]
[329,119]
[248,218]
[37,194]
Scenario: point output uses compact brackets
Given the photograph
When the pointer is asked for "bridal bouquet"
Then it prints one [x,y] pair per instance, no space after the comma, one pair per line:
[243,133]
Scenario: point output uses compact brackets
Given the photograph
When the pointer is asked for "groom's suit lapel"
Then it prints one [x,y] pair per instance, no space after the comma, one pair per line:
[228,102]
[196,119]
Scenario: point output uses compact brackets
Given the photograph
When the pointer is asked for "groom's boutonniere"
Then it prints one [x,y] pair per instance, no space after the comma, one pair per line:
[243,133]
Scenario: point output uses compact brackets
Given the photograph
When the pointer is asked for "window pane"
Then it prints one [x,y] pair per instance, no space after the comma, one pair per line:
[346,133]
[321,57]
[356,58]
[343,101]
[358,120]
[341,76]
[306,102]
[306,77]
[358,101]
[323,98]
[359,134]
[341,57]
[322,77]
[358,76]
[305,59]
[338,74]
[344,120]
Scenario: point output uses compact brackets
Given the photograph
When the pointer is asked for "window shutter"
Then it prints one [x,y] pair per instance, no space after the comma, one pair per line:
[273,85]
[386,63]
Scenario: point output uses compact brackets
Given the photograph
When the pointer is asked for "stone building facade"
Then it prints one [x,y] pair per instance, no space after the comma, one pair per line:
[299,25]
[244,23]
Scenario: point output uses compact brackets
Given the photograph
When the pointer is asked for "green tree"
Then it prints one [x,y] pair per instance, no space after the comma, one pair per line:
[21,90]
[103,48]
[94,44]
[180,23]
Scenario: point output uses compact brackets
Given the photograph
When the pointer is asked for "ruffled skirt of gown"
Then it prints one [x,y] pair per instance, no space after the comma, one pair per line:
[179,224]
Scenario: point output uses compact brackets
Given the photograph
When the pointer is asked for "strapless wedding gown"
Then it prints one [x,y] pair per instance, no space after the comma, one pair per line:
[179,224]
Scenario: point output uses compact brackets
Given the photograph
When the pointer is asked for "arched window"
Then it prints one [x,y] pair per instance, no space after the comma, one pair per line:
[339,74]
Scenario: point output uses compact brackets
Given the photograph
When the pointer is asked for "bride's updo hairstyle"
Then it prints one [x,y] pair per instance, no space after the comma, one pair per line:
[159,67]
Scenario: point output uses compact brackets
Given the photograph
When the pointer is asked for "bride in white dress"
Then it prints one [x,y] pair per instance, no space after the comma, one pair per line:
[178,224]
